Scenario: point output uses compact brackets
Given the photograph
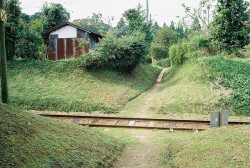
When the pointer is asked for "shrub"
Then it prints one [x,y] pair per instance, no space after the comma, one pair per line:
[29,44]
[199,45]
[164,38]
[176,54]
[121,54]
[164,63]
[159,51]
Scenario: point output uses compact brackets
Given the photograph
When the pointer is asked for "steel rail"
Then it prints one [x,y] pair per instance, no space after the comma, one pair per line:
[140,119]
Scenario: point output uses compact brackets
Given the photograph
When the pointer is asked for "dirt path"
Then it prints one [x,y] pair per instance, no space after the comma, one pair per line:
[146,153]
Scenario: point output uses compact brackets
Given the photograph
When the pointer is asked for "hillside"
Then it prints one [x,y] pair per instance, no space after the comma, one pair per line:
[28,140]
[64,86]
[202,86]
[223,147]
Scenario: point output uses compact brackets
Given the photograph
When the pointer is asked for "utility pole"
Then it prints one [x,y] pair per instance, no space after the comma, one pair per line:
[3,69]
[147,10]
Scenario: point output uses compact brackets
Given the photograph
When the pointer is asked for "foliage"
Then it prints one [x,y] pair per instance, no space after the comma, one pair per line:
[25,18]
[179,29]
[36,15]
[155,27]
[12,26]
[176,54]
[64,86]
[229,23]
[136,19]
[29,43]
[204,13]
[43,142]
[83,44]
[122,28]
[232,74]
[195,25]
[53,14]
[164,38]
[121,54]
[164,63]
[94,23]
[198,46]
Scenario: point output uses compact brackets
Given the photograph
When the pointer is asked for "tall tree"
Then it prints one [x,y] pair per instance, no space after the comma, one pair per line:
[36,15]
[196,25]
[122,28]
[164,25]
[172,25]
[164,38]
[137,21]
[53,14]
[11,27]
[94,23]
[204,12]
[155,27]
[25,17]
[230,27]
[121,23]
[180,32]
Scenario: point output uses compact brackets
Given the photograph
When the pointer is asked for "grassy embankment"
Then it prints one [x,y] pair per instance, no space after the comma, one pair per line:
[64,86]
[222,147]
[28,140]
[197,88]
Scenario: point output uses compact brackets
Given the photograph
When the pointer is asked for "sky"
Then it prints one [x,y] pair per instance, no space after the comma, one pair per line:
[160,10]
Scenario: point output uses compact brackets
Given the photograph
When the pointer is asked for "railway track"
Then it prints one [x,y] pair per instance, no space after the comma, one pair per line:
[129,122]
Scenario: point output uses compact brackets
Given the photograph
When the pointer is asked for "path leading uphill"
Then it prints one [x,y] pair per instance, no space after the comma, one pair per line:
[146,153]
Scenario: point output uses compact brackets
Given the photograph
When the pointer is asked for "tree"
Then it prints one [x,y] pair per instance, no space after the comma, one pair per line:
[164,38]
[36,15]
[155,27]
[29,43]
[94,23]
[121,23]
[25,18]
[196,25]
[11,27]
[137,21]
[172,25]
[164,25]
[229,24]
[53,14]
[204,13]
[122,28]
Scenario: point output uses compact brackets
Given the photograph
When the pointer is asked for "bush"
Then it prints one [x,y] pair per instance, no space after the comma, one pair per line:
[121,54]
[29,44]
[176,54]
[199,45]
[164,38]
[164,63]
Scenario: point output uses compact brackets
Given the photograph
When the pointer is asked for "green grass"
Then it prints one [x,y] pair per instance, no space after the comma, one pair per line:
[185,90]
[29,140]
[232,74]
[222,147]
[205,85]
[64,86]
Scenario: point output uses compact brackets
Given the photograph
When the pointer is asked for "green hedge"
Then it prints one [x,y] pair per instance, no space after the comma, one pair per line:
[121,54]
[197,46]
